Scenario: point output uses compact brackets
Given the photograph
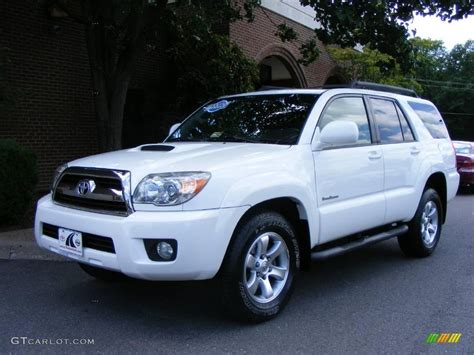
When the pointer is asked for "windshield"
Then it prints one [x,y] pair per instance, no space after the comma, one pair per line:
[275,119]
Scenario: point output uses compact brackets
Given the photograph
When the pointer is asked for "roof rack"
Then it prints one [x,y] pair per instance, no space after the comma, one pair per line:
[270,87]
[372,86]
[355,85]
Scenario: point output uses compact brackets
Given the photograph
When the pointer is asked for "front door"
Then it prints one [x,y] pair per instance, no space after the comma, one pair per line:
[349,179]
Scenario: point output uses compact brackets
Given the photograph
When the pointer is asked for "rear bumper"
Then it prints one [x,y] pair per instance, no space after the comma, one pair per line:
[202,237]
[452,184]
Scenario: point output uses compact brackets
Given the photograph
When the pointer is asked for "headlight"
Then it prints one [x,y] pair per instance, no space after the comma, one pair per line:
[170,189]
[57,174]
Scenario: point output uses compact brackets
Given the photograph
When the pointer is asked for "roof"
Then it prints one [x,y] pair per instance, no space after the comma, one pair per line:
[355,86]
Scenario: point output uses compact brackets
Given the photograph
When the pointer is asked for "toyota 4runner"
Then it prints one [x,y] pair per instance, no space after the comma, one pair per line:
[250,188]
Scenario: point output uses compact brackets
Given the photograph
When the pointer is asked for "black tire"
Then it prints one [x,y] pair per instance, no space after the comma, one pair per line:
[237,299]
[412,243]
[102,274]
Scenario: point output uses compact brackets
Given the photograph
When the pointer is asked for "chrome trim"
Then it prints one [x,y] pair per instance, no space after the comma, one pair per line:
[121,175]
[126,178]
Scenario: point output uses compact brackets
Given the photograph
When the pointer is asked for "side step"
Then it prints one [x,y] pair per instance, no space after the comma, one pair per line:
[360,243]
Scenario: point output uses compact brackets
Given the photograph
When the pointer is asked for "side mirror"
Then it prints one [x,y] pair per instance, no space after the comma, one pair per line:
[173,128]
[336,133]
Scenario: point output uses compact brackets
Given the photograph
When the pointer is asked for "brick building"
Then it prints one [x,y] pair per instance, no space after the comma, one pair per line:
[49,72]
[278,60]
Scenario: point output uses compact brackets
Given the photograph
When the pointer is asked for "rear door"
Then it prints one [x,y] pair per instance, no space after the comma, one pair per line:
[349,179]
[403,157]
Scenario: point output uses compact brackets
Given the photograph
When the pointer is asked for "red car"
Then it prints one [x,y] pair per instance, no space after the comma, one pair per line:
[465,161]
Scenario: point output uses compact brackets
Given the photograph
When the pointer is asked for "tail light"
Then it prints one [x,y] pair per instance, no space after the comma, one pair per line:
[456,160]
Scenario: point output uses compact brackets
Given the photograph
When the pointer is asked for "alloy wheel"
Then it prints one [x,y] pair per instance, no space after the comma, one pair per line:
[266,269]
[429,223]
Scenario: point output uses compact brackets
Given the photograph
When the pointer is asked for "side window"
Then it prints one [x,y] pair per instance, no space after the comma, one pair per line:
[348,109]
[431,119]
[407,132]
[386,119]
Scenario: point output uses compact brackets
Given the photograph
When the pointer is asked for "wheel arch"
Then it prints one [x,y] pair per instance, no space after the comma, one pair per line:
[293,210]
[438,182]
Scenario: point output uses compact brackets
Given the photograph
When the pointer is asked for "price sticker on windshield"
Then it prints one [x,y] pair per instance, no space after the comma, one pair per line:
[220,105]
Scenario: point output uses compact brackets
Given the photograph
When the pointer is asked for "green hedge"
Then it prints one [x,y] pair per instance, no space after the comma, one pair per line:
[18,178]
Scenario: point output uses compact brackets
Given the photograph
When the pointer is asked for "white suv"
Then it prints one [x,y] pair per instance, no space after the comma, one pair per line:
[250,188]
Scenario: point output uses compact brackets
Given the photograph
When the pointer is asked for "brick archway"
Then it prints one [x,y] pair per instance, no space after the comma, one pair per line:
[335,77]
[287,59]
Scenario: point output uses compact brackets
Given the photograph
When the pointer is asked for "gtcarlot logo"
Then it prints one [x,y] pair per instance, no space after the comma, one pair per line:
[51,341]
[443,338]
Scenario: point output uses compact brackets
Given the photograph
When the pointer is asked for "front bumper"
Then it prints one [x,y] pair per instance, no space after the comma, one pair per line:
[202,237]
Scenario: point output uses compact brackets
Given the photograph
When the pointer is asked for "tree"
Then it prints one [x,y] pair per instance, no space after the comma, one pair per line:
[428,58]
[381,24]
[371,65]
[117,32]
[444,77]
[449,83]
[460,62]
[208,64]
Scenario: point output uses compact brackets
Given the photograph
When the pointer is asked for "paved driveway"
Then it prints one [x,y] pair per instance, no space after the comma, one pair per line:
[369,302]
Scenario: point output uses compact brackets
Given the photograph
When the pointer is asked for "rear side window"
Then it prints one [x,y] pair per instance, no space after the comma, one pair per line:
[388,124]
[431,119]
[348,109]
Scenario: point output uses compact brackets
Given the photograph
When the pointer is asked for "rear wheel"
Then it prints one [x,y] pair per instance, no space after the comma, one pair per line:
[260,268]
[425,228]
[102,274]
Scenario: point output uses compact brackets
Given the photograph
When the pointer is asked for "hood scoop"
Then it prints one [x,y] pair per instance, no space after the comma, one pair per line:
[157,148]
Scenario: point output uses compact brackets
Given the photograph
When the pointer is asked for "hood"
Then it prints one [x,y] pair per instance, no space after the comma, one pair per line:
[183,156]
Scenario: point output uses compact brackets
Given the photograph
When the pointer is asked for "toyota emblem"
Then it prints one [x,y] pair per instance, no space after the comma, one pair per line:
[85,187]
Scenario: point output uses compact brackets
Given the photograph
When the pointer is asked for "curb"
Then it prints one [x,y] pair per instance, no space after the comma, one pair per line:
[21,245]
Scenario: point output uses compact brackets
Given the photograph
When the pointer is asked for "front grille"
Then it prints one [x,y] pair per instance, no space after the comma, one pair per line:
[91,241]
[109,190]
[90,204]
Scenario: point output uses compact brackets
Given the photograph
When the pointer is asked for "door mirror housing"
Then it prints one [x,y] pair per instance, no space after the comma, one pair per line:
[336,133]
[173,128]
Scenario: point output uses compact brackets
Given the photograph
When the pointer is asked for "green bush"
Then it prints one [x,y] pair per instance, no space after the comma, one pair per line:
[18,178]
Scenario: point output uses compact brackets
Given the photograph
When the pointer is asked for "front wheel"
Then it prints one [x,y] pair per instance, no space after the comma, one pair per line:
[260,267]
[425,228]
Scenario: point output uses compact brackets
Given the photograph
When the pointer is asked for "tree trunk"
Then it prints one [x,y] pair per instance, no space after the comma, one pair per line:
[109,111]
[111,63]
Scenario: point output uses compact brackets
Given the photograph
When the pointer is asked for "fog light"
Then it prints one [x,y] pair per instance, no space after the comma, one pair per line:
[165,250]
[161,249]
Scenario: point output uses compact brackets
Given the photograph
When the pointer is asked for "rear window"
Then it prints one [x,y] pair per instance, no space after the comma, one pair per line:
[431,118]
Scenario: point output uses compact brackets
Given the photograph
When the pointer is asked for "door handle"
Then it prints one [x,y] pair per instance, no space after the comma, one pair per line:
[414,151]
[373,155]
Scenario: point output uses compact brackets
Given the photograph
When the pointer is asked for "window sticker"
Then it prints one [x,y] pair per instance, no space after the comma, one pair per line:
[217,106]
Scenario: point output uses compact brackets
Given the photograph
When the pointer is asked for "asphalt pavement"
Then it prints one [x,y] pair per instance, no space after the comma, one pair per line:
[371,301]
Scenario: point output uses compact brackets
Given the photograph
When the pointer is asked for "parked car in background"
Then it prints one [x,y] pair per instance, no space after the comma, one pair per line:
[465,162]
